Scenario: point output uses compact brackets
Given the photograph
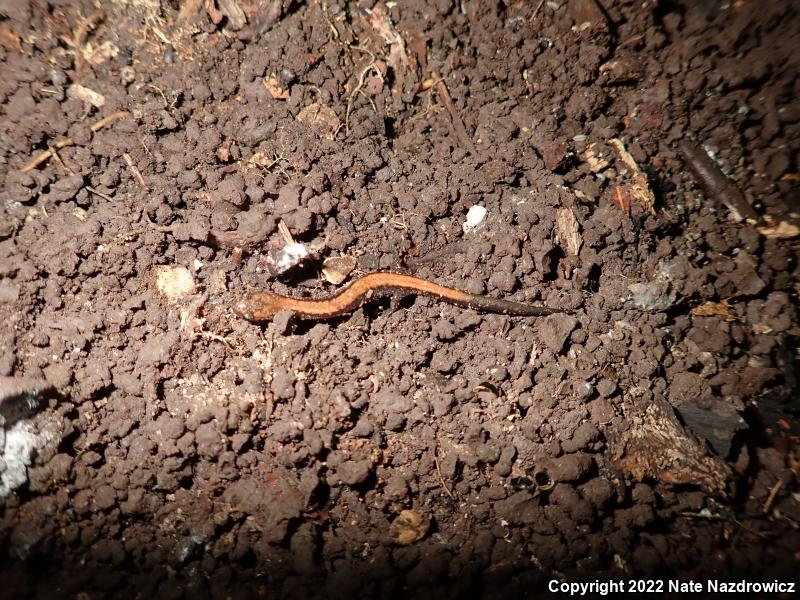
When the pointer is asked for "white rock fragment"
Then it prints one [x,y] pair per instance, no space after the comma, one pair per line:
[286,258]
[174,282]
[22,441]
[475,218]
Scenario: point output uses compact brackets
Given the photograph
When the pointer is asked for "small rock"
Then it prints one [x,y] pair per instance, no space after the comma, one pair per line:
[396,487]
[475,217]
[208,439]
[570,467]
[555,329]
[354,472]
[654,296]
[601,411]
[105,497]
[585,434]
[606,388]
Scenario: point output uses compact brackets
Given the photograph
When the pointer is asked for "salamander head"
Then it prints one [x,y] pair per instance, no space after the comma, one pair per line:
[258,306]
[244,309]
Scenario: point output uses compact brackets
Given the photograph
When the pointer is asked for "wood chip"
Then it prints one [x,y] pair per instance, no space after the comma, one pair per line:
[621,198]
[86,95]
[568,231]
[596,161]
[234,13]
[657,446]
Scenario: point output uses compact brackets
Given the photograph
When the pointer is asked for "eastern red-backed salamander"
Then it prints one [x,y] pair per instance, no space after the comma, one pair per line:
[262,306]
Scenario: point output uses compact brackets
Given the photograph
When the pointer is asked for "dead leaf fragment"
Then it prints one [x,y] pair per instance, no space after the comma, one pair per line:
[409,527]
[639,186]
[174,282]
[337,268]
[321,119]
[276,88]
[783,230]
[714,309]
[398,58]
[714,420]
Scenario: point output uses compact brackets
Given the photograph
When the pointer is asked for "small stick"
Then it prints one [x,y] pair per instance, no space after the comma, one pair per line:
[61,162]
[455,118]
[136,172]
[112,118]
[31,165]
[771,498]
[536,10]
[36,161]
[439,471]
[99,193]
[283,229]
[715,184]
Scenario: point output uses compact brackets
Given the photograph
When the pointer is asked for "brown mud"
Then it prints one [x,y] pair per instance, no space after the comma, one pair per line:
[155,443]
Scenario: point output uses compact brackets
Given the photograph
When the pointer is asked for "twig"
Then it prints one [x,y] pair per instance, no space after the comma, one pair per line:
[61,162]
[771,498]
[715,184]
[749,530]
[46,154]
[455,118]
[112,118]
[217,338]
[439,471]
[98,193]
[136,172]
[283,229]
[35,162]
[537,9]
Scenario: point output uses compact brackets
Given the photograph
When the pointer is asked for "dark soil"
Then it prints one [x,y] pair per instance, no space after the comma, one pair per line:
[161,445]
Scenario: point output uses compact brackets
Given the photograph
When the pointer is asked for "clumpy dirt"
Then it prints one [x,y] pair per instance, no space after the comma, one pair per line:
[155,443]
